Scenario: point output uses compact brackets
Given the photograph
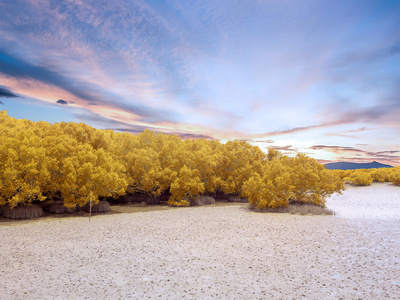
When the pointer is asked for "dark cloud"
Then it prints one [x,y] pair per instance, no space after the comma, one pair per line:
[366,57]
[387,152]
[386,112]
[62,102]
[192,136]
[134,130]
[94,95]
[5,93]
[285,148]
[20,69]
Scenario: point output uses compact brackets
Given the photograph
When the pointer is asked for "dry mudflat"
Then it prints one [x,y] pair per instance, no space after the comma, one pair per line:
[213,252]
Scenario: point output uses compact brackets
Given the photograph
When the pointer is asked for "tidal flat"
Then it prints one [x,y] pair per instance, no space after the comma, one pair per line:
[220,252]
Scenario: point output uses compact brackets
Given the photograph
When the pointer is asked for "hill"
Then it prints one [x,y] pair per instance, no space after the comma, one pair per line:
[354,166]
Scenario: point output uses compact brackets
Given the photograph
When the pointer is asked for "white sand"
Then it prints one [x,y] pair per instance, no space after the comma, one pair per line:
[201,253]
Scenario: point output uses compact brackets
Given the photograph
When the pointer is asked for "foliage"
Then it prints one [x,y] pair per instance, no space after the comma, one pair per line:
[364,177]
[186,186]
[73,161]
[395,176]
[312,182]
[360,177]
[285,180]
[271,189]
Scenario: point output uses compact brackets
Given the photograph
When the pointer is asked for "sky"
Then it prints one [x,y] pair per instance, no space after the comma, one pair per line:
[318,77]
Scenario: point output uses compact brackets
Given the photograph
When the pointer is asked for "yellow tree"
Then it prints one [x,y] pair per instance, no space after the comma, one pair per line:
[270,190]
[205,159]
[361,177]
[238,162]
[91,172]
[23,164]
[143,171]
[312,182]
[172,157]
[395,176]
[186,186]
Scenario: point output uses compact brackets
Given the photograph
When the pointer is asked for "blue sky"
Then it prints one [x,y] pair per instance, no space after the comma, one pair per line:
[318,77]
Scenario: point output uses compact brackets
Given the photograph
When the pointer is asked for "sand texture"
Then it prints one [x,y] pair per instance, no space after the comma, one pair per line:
[223,252]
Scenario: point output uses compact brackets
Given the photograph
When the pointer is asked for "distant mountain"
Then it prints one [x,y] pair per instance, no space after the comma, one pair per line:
[353,166]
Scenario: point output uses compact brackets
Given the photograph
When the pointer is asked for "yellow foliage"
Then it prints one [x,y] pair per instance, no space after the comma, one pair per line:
[395,176]
[39,160]
[312,182]
[186,186]
[365,176]
[299,179]
[361,177]
[270,190]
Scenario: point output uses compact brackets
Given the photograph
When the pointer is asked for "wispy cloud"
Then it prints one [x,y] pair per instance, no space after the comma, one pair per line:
[350,133]
[359,155]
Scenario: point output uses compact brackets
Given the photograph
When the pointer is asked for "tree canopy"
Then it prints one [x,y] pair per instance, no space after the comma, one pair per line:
[40,161]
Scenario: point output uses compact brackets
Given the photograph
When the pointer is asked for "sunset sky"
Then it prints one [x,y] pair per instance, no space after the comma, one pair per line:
[318,77]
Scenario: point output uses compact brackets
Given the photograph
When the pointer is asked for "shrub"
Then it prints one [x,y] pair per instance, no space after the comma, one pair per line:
[272,189]
[395,177]
[361,178]
[101,207]
[298,209]
[28,211]
[57,208]
[203,200]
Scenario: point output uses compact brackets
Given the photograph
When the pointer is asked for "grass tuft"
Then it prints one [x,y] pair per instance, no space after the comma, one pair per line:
[299,209]
[28,211]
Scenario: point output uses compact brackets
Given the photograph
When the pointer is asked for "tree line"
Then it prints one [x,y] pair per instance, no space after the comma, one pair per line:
[41,161]
[364,177]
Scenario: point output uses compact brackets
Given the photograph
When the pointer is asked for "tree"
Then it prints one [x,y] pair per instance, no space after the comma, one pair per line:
[361,177]
[186,187]
[270,190]
[312,182]
[91,172]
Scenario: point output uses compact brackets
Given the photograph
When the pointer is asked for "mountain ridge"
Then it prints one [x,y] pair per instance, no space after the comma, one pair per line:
[353,166]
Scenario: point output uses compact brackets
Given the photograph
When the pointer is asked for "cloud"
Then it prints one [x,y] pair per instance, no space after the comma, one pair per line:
[193,136]
[91,94]
[345,133]
[62,102]
[256,141]
[285,148]
[335,148]
[17,68]
[5,93]
[352,154]
[287,131]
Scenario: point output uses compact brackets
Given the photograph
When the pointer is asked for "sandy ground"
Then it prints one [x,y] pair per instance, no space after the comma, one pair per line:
[222,252]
